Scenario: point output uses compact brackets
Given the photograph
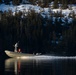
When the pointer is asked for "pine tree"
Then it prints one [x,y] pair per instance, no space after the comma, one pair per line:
[16,2]
[0,1]
[64,4]
[55,3]
[6,1]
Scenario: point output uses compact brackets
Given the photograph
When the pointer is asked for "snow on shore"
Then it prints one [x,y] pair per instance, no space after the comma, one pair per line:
[44,11]
[38,9]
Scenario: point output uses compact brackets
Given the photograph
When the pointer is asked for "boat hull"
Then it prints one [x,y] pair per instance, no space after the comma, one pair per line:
[17,54]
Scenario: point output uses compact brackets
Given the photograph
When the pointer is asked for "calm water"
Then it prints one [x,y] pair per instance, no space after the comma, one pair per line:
[14,66]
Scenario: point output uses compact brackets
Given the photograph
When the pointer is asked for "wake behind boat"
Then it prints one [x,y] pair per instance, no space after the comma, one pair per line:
[16,53]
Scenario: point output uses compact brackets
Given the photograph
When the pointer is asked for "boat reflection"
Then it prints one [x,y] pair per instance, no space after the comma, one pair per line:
[16,64]
[21,65]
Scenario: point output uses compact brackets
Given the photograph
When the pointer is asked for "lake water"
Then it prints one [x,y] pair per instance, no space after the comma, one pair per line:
[22,66]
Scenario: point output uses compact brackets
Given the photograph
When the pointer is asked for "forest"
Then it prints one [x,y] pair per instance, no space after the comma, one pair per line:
[37,34]
[43,3]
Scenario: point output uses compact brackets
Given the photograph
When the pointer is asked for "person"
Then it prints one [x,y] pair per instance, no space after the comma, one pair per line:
[19,50]
[16,45]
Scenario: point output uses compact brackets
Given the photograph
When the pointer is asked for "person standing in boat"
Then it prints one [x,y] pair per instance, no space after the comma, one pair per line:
[17,50]
[16,45]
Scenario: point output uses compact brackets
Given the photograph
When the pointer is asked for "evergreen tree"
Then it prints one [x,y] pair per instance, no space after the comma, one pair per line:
[0,1]
[64,4]
[55,4]
[16,2]
[6,1]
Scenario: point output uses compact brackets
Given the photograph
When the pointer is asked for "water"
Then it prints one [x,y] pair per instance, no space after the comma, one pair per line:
[26,66]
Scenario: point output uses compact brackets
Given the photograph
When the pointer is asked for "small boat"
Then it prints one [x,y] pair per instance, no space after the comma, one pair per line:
[17,54]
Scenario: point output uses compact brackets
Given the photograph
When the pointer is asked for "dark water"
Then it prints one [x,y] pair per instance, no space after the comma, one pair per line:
[14,66]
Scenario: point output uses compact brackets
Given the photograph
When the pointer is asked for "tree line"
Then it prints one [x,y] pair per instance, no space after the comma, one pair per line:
[43,3]
[37,34]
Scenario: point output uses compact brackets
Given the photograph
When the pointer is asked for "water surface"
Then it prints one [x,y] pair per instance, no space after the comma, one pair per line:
[20,66]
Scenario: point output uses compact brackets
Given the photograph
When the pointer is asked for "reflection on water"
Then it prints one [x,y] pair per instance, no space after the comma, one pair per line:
[14,66]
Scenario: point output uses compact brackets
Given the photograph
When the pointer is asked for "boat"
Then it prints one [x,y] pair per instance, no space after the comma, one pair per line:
[16,53]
